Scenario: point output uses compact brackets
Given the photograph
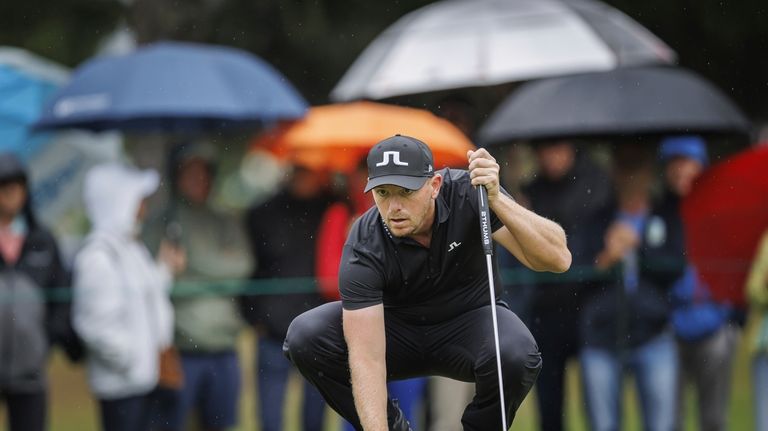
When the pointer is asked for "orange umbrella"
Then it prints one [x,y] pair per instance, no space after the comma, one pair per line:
[337,137]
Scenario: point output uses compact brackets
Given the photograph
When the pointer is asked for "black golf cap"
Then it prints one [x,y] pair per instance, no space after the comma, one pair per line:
[400,160]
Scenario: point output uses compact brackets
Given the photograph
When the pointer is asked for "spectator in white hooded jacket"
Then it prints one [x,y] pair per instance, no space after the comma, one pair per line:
[121,302]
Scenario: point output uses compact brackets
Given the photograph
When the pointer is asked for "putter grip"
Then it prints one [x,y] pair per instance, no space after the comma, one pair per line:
[485,220]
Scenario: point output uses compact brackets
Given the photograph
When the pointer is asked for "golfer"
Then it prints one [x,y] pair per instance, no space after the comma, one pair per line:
[414,288]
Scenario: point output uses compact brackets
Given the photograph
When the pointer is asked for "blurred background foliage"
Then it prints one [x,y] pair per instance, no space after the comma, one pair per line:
[314,42]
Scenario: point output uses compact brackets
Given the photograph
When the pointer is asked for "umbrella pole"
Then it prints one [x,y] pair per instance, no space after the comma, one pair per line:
[485,232]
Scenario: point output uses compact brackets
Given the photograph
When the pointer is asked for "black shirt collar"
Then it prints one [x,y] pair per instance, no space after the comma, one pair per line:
[442,208]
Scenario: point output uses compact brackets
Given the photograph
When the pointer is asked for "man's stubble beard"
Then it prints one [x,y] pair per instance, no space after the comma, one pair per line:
[415,228]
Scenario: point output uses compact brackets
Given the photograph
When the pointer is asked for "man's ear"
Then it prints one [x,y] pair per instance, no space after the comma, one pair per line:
[437,182]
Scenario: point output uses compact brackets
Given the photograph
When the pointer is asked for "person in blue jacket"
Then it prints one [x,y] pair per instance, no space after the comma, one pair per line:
[625,323]
[706,331]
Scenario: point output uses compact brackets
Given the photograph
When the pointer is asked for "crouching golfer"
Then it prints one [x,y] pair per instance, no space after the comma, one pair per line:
[414,287]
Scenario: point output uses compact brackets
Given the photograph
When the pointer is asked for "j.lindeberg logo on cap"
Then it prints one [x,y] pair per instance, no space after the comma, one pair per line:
[400,161]
[395,159]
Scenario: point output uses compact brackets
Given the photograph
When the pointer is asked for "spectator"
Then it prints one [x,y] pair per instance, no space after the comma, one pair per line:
[207,322]
[282,234]
[757,291]
[121,305]
[30,272]
[706,332]
[625,324]
[571,190]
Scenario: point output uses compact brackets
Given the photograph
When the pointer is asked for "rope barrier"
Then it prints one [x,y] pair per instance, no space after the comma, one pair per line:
[303,285]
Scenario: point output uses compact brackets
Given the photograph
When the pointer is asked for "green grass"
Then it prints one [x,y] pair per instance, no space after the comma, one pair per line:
[73,408]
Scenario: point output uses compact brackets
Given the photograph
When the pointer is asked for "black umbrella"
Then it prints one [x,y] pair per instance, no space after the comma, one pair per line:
[629,101]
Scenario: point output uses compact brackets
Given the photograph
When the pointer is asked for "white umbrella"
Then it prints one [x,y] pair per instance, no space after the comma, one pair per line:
[467,43]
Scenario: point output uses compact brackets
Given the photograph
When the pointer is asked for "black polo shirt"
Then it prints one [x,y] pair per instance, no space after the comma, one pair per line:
[420,284]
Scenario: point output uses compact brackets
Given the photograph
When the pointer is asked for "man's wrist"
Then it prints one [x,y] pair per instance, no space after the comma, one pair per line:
[497,201]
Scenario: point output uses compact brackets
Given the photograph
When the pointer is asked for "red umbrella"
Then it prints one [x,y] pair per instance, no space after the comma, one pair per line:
[725,215]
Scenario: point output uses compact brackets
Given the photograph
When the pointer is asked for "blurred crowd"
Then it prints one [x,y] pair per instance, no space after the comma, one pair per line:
[157,297]
[162,358]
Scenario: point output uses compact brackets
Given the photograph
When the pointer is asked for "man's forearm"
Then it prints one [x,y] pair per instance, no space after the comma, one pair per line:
[369,387]
[542,240]
[366,341]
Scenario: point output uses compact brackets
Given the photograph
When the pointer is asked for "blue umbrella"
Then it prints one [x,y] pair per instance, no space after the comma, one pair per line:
[26,82]
[173,87]
[57,162]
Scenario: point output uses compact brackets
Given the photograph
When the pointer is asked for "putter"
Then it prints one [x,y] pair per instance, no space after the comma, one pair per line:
[485,232]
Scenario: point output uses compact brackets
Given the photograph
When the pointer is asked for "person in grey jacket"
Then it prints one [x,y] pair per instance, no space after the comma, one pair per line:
[30,270]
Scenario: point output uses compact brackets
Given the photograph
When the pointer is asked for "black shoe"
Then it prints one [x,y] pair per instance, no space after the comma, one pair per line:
[396,418]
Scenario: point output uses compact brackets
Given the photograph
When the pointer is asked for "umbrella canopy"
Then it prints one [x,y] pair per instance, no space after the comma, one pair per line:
[26,82]
[642,100]
[175,87]
[725,216]
[338,137]
[57,162]
[466,43]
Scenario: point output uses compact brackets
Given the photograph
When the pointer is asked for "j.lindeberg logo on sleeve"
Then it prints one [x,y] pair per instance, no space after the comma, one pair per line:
[395,155]
[453,246]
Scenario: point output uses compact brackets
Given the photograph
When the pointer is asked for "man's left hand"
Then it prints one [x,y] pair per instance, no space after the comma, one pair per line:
[484,171]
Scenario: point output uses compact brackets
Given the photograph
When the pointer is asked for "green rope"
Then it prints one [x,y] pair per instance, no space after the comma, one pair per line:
[298,285]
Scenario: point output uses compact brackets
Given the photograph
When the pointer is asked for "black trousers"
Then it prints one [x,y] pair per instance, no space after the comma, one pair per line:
[461,348]
[26,411]
[137,413]
[557,332]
